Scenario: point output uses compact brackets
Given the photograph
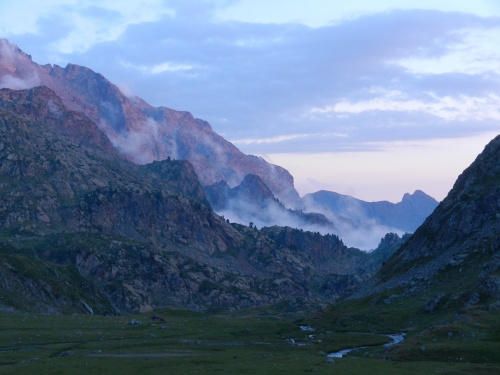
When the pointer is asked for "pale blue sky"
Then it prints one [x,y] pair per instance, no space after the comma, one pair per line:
[368,98]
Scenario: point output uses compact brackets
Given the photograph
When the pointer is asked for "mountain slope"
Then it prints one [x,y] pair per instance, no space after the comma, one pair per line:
[79,223]
[442,287]
[464,226]
[63,182]
[139,131]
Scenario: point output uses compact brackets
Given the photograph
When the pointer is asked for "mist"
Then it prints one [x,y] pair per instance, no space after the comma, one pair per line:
[249,204]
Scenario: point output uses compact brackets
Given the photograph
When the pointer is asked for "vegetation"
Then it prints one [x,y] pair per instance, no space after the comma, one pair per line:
[256,341]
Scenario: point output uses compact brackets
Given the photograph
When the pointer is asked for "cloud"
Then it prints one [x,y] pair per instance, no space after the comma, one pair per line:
[264,78]
[159,68]
[125,90]
[320,13]
[14,83]
[15,75]
[81,24]
[352,223]
[137,143]
[282,138]
[289,88]
[448,108]
[476,53]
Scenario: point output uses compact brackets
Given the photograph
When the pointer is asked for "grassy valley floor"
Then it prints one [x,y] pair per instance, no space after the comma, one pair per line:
[256,341]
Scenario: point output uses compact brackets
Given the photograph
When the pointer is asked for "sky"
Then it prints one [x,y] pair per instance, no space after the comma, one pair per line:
[367,98]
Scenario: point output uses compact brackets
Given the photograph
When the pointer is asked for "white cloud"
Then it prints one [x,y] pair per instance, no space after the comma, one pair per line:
[284,138]
[166,66]
[15,83]
[460,108]
[126,90]
[82,24]
[477,53]
[319,13]
[17,80]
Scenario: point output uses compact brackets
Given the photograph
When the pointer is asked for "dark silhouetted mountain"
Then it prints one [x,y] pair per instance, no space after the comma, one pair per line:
[388,245]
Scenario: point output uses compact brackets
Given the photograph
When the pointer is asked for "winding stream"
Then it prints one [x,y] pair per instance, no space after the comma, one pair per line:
[396,339]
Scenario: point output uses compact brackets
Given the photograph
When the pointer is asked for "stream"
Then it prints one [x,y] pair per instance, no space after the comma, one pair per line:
[396,339]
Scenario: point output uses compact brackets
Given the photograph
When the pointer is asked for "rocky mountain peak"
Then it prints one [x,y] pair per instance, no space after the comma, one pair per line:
[418,196]
[141,132]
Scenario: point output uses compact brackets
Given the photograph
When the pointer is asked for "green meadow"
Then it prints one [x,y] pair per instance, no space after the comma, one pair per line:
[255,341]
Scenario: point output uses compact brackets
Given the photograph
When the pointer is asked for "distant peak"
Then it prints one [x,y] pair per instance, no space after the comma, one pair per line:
[417,195]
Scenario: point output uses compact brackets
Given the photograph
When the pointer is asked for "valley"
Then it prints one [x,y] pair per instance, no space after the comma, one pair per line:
[255,341]
[113,212]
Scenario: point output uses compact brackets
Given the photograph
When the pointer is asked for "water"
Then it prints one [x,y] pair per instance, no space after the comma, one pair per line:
[396,339]
[307,328]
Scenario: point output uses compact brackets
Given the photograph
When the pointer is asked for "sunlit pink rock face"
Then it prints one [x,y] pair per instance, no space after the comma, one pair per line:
[140,132]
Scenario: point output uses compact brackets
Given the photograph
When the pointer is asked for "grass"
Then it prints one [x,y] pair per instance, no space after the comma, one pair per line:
[255,341]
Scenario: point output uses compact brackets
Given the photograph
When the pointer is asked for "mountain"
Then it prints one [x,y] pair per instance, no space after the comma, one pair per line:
[405,216]
[463,232]
[89,217]
[83,229]
[253,202]
[442,286]
[140,132]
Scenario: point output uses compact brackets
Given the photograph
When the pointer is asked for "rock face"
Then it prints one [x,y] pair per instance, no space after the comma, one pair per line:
[42,105]
[140,132]
[461,236]
[66,185]
[338,270]
[405,216]
[97,214]
[143,134]
[82,227]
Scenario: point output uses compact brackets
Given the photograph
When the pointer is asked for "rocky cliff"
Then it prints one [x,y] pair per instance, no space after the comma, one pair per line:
[82,227]
[140,132]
